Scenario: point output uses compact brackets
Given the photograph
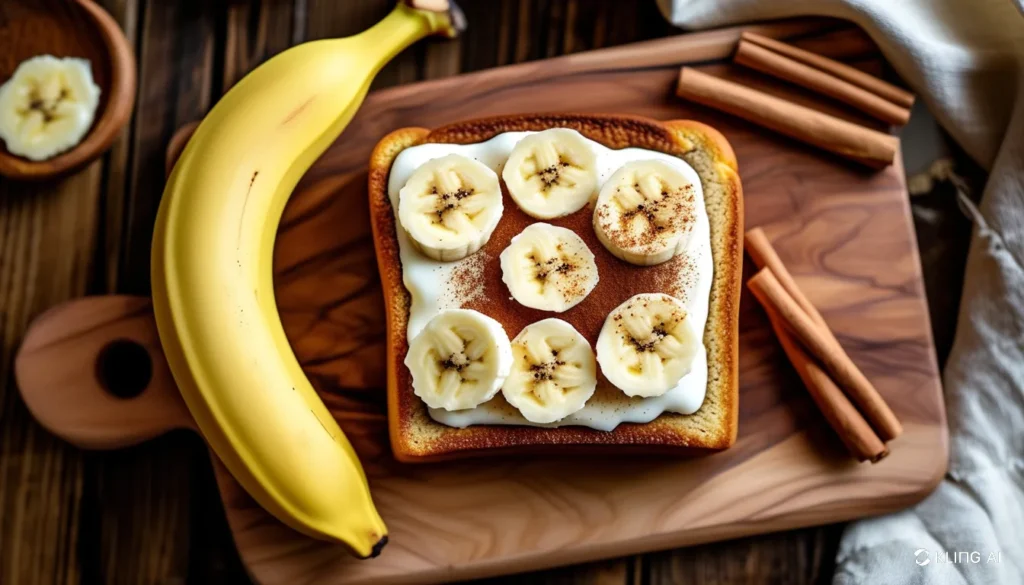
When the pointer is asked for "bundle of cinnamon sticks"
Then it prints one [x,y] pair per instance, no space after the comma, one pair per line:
[850,403]
[814,72]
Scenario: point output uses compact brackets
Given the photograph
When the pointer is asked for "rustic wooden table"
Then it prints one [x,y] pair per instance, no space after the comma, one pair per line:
[152,514]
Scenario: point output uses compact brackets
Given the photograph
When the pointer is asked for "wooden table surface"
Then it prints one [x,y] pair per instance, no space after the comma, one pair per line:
[152,514]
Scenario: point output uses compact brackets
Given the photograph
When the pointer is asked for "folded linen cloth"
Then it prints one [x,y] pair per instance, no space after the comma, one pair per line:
[965,59]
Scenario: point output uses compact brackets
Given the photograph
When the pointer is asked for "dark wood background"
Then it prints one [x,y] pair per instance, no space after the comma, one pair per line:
[152,514]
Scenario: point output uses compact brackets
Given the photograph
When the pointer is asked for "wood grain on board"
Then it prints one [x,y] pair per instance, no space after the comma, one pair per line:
[845,233]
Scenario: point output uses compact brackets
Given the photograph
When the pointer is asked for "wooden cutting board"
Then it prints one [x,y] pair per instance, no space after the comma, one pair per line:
[846,234]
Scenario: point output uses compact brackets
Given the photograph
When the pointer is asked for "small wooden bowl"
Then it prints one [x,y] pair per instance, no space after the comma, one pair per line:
[69,28]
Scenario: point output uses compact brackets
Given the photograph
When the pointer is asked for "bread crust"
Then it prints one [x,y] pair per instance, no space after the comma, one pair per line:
[415,437]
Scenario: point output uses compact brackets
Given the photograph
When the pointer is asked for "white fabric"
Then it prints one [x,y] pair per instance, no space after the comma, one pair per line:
[966,60]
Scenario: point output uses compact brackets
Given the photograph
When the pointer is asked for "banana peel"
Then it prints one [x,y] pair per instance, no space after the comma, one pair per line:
[213,293]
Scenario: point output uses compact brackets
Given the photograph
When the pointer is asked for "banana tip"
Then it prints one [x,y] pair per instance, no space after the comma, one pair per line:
[379,546]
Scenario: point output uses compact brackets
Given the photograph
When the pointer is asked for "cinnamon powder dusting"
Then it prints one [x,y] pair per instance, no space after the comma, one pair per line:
[681,215]
[465,284]
[619,280]
[570,282]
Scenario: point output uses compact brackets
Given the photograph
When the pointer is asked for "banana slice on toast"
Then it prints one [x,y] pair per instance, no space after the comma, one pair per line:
[647,344]
[645,212]
[459,360]
[548,268]
[553,371]
[551,173]
[450,207]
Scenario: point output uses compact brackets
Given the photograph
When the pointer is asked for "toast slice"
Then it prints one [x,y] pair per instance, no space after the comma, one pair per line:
[415,437]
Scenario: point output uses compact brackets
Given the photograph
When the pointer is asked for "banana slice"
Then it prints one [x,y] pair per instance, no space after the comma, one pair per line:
[551,173]
[47,106]
[459,360]
[645,212]
[548,268]
[647,345]
[553,371]
[450,207]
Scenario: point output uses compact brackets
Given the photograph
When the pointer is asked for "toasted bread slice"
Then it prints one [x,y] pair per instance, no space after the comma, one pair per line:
[416,437]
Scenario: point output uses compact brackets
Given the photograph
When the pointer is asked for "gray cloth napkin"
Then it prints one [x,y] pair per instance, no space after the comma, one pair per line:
[966,60]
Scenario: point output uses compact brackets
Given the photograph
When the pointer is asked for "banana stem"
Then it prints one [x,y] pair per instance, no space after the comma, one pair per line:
[401,28]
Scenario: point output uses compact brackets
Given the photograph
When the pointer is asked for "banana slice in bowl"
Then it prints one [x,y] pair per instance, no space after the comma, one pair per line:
[459,360]
[645,212]
[554,372]
[548,268]
[450,207]
[47,106]
[552,173]
[647,344]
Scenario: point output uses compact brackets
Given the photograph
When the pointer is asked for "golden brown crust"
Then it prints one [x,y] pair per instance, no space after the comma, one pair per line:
[416,437]
[730,265]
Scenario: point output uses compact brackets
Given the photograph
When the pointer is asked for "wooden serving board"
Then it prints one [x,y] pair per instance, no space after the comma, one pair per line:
[846,234]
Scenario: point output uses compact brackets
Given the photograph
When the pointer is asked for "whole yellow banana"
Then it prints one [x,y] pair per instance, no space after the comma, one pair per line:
[213,289]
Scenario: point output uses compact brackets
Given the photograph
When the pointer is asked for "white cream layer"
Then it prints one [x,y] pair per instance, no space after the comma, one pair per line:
[427,282]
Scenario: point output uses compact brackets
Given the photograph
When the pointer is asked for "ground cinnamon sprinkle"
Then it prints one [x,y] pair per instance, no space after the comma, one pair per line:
[464,286]
[682,216]
[619,280]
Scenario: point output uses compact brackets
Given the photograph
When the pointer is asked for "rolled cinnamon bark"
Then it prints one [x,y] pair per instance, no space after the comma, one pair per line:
[763,254]
[853,430]
[858,143]
[771,294]
[783,67]
[881,88]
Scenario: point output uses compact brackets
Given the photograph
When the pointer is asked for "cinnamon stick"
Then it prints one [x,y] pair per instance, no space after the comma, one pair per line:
[783,67]
[881,88]
[858,143]
[763,254]
[855,432]
[848,423]
[770,293]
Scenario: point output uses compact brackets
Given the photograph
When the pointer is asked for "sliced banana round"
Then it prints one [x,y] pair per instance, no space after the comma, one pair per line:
[450,207]
[548,268]
[647,344]
[47,106]
[645,212]
[459,360]
[553,371]
[551,173]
